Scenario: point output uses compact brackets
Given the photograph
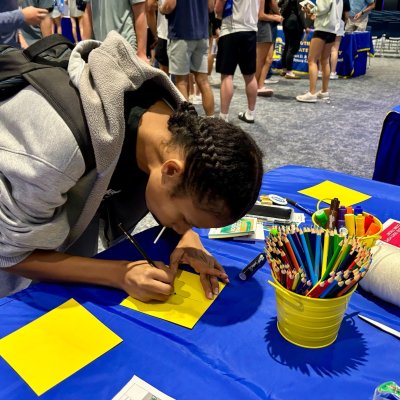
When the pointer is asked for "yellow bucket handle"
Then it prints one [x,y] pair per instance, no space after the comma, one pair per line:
[296,303]
[323,200]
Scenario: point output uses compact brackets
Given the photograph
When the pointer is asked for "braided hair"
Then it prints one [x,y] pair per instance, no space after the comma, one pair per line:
[222,162]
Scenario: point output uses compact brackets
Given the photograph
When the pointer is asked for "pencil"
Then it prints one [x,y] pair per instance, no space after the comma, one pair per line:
[137,245]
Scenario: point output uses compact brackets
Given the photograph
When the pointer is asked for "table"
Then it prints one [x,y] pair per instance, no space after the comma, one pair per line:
[353,53]
[235,350]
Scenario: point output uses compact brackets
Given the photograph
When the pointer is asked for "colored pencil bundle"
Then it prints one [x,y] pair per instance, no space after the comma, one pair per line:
[316,263]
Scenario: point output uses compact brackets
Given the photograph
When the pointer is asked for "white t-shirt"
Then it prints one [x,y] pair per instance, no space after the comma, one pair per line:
[162,24]
[243,19]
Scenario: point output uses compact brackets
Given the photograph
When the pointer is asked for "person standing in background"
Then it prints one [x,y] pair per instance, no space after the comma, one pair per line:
[265,44]
[76,17]
[12,18]
[158,25]
[293,29]
[127,17]
[358,16]
[188,46]
[327,15]
[339,36]
[237,46]
[33,33]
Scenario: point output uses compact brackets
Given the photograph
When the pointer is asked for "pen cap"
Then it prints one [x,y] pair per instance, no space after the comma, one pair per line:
[358,210]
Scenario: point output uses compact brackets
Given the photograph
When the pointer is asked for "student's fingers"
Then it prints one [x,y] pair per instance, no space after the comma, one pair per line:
[175,259]
[214,285]
[206,284]
[162,273]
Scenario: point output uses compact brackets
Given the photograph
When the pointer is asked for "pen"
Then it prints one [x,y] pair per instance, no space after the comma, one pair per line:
[299,206]
[137,245]
[253,266]
[381,326]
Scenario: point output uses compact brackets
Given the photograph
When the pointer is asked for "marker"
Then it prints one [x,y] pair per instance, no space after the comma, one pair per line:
[253,266]
[299,206]
[137,245]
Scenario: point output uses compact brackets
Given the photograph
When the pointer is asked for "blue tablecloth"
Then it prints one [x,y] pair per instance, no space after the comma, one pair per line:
[387,162]
[353,53]
[235,350]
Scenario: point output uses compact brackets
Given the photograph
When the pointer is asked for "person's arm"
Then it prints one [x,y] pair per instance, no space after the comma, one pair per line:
[191,251]
[137,278]
[87,23]
[140,25]
[219,8]
[151,14]
[366,10]
[267,17]
[12,20]
[167,7]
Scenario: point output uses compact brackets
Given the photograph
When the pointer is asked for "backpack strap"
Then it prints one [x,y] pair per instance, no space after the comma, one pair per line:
[44,66]
[56,87]
[51,50]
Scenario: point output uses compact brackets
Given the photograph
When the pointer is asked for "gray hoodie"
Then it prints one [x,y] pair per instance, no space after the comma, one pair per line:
[46,201]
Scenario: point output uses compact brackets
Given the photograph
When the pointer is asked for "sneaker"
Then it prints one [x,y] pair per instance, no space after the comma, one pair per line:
[271,81]
[307,98]
[265,92]
[242,116]
[282,73]
[323,95]
[291,75]
[333,75]
[319,74]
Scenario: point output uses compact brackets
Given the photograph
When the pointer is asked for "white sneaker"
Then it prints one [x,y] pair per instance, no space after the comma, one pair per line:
[271,81]
[319,74]
[333,75]
[323,95]
[307,98]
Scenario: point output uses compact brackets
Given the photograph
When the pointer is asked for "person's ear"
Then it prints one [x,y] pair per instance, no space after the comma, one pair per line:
[172,170]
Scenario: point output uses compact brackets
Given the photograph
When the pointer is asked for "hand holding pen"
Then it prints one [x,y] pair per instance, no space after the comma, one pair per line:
[148,280]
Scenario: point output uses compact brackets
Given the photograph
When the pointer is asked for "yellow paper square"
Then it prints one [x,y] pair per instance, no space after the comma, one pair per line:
[328,190]
[185,307]
[56,345]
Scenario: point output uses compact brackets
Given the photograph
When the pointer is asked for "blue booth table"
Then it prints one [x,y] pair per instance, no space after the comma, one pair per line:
[235,350]
[387,162]
[353,53]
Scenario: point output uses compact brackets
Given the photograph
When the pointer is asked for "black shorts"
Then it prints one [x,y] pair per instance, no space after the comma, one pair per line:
[327,37]
[161,52]
[235,49]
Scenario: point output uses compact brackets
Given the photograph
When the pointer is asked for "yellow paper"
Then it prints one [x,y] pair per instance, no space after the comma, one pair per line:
[185,307]
[53,347]
[328,190]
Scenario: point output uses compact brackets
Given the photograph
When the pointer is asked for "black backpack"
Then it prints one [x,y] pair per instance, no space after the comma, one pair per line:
[44,66]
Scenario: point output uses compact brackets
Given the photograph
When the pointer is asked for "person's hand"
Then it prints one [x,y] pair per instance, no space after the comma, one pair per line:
[357,16]
[191,251]
[278,18]
[144,282]
[33,15]
[143,57]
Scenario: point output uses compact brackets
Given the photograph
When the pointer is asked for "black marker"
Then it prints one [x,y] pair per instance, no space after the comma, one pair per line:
[254,265]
